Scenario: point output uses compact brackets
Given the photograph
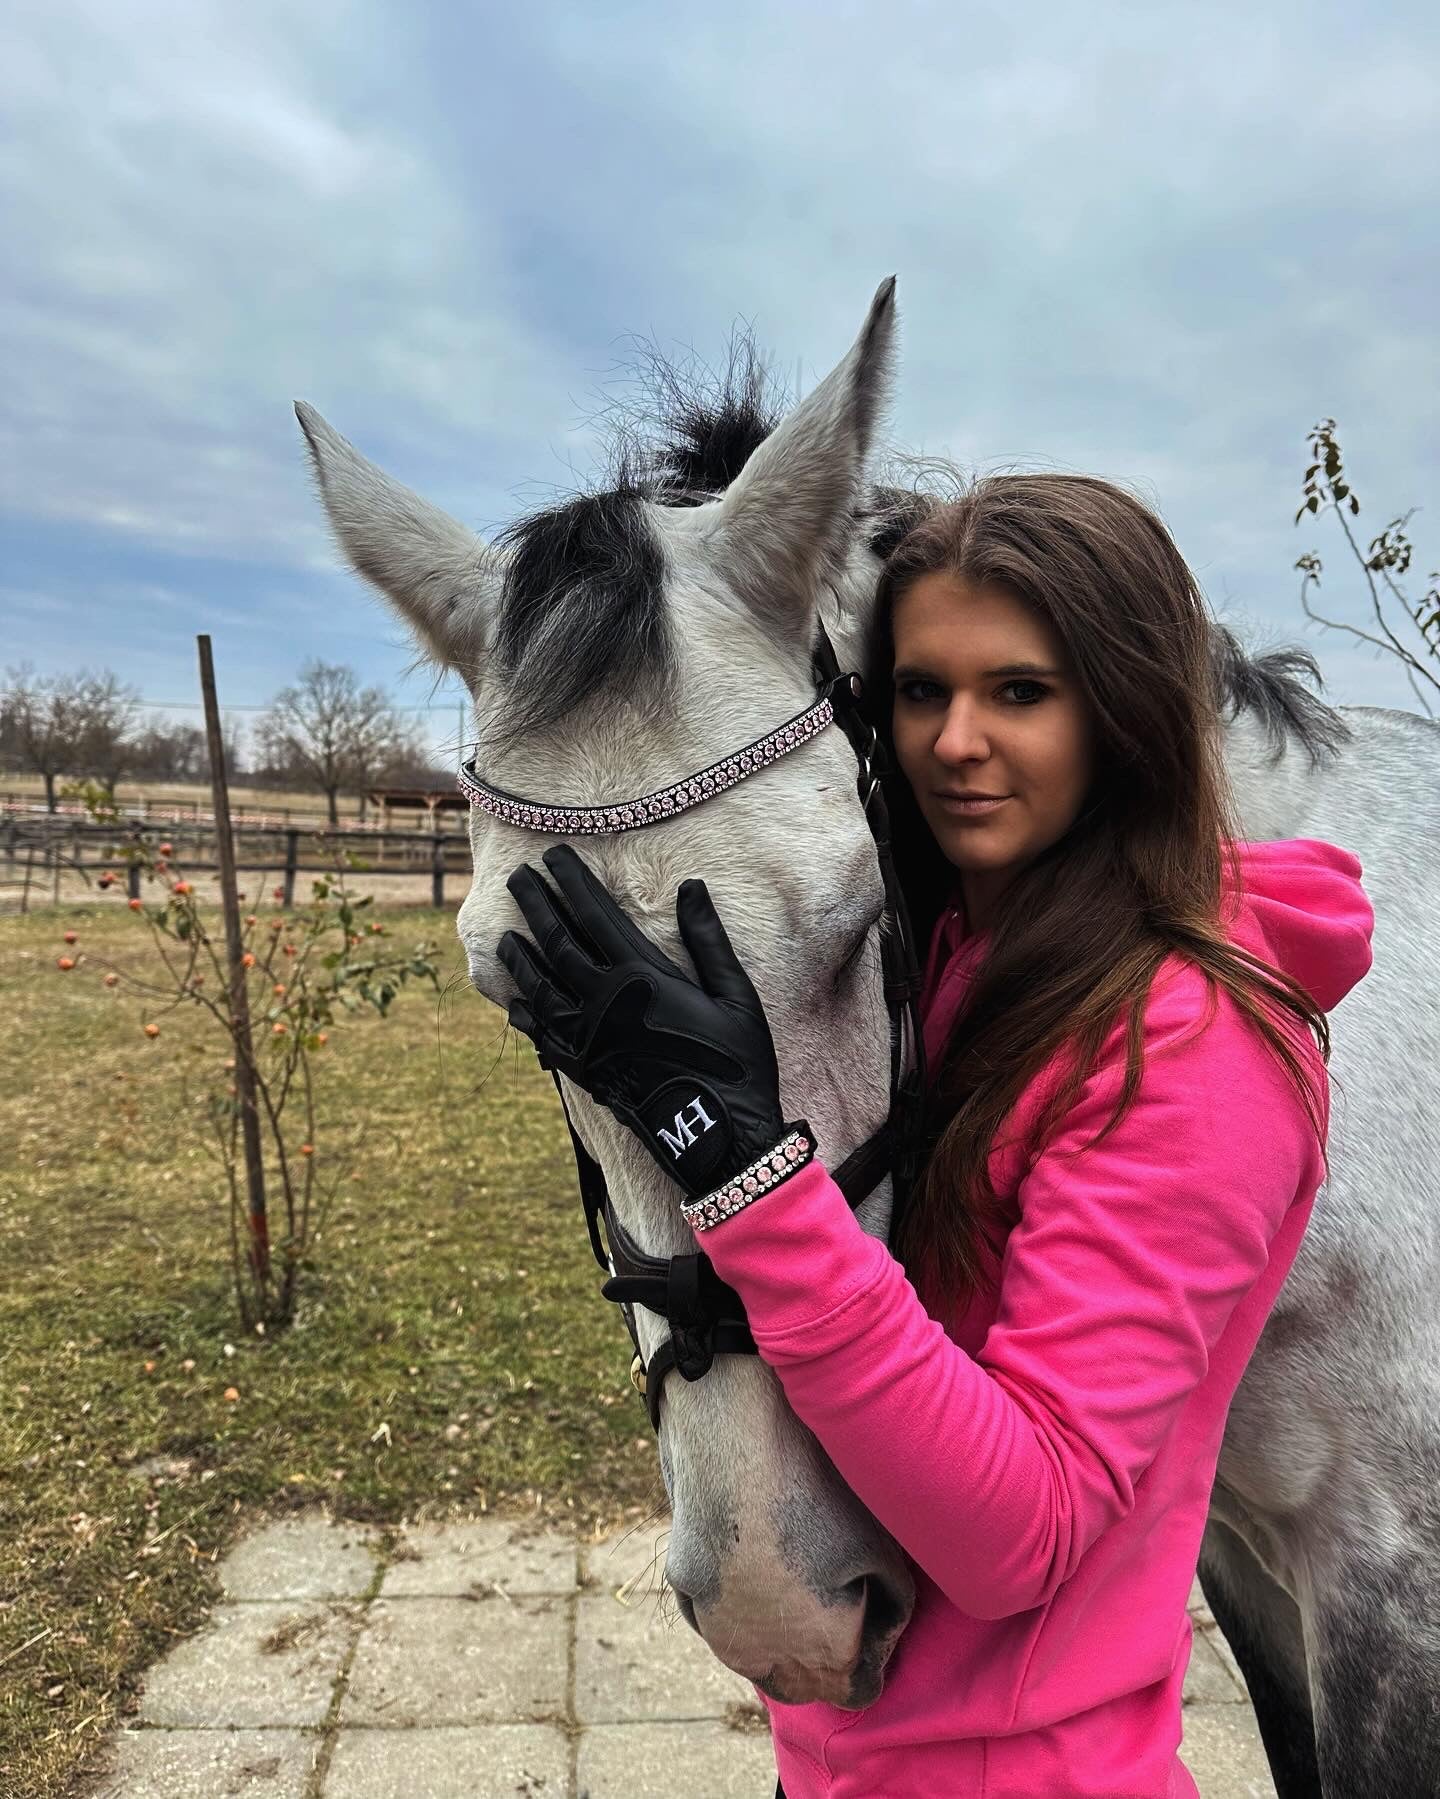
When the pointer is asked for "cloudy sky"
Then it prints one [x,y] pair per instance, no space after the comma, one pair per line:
[1156,244]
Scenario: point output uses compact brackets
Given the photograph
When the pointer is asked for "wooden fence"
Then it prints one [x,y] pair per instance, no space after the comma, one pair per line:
[197,811]
[36,851]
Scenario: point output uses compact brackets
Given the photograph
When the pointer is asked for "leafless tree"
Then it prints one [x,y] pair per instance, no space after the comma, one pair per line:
[42,724]
[1406,628]
[332,733]
[110,728]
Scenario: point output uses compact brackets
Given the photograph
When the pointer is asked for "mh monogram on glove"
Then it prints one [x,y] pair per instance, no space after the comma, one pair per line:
[688,1065]
[684,1134]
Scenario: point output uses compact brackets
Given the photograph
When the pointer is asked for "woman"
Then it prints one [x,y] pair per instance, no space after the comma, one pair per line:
[1124,1022]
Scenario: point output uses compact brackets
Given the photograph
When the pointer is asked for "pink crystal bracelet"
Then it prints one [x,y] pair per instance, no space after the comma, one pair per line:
[789,1155]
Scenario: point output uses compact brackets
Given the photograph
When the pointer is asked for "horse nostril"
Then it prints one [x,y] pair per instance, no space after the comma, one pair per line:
[885,1609]
[686,1605]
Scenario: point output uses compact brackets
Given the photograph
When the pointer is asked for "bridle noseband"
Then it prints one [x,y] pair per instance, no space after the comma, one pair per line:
[706,1317]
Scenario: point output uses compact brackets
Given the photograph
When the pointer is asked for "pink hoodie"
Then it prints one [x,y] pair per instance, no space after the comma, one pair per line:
[1045,1456]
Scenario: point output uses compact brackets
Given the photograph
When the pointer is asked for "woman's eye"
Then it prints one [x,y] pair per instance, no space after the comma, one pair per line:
[1024,693]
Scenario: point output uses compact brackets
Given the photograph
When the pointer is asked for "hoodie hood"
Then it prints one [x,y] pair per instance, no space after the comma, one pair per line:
[1299,905]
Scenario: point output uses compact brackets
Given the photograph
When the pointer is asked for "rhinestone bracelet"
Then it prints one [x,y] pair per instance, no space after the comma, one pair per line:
[789,1155]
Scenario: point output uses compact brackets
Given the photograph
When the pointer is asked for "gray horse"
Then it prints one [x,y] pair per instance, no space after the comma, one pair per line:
[631,636]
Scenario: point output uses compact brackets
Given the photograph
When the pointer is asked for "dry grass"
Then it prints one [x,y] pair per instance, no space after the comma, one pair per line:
[451,1353]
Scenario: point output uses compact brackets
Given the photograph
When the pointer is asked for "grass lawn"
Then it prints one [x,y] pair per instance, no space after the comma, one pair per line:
[451,1355]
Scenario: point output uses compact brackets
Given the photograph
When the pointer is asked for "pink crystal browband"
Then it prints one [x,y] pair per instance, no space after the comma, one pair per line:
[583,821]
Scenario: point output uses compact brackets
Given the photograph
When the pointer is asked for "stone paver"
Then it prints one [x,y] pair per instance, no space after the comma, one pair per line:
[301,1558]
[466,1560]
[503,1761]
[642,1661]
[253,1665]
[499,1659]
[619,1761]
[1221,1748]
[1207,1680]
[215,1764]
[459,1661]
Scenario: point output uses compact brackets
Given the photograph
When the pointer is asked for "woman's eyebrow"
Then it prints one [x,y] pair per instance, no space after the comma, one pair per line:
[911,671]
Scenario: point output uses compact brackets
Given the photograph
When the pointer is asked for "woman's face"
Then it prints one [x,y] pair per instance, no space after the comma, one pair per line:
[986,702]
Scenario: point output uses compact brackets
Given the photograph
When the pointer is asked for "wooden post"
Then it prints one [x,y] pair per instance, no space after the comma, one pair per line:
[292,854]
[437,871]
[132,881]
[239,993]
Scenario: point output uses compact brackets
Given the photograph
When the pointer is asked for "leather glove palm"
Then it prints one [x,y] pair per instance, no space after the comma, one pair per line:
[689,1067]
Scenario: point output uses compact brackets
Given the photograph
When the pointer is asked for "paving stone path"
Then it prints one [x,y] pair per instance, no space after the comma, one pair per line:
[496,1660]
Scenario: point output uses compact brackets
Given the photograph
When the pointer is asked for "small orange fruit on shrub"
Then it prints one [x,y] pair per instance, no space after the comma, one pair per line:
[279,1029]
[182,887]
[280,988]
[307,1149]
[65,963]
[135,905]
[152,1030]
[247,960]
[112,980]
[72,936]
[166,849]
[232,1394]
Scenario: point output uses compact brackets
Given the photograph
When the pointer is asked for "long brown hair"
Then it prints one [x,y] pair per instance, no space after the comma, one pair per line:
[1083,928]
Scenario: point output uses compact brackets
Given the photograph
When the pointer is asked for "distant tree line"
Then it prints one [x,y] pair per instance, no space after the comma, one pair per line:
[325,732]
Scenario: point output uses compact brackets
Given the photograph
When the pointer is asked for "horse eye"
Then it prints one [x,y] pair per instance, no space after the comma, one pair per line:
[855,950]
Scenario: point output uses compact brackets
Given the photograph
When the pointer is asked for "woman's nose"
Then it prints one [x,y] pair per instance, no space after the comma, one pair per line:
[962,736]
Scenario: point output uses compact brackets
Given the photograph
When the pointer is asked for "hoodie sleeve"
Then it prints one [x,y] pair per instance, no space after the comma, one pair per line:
[997,1472]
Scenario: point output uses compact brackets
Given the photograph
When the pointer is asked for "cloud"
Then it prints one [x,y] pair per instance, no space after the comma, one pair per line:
[1156,247]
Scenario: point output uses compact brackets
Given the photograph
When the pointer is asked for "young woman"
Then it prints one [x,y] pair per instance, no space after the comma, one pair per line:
[1125,1032]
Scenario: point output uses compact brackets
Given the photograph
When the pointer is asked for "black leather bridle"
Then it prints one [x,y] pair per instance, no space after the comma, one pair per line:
[706,1317]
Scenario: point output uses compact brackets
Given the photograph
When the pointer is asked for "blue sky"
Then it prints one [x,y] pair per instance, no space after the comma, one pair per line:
[1155,244]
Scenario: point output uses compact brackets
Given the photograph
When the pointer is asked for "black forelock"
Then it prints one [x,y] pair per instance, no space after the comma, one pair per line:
[582,610]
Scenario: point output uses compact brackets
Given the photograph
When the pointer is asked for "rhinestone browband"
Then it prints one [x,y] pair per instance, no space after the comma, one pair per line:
[564,821]
[789,1155]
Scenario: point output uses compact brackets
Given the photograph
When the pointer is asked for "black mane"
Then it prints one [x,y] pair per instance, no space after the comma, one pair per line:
[706,433]
[1270,688]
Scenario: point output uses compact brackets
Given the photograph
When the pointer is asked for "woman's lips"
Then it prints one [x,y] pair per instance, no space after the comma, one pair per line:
[970,808]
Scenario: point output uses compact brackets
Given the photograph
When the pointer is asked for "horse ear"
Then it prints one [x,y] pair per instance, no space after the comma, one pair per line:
[442,579]
[785,521]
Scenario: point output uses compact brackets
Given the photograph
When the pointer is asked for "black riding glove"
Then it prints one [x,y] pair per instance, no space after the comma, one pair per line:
[689,1068]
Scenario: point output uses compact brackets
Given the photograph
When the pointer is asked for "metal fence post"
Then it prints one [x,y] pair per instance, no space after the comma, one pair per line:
[437,872]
